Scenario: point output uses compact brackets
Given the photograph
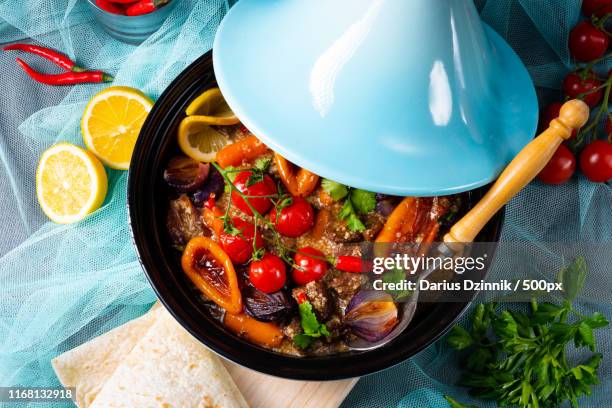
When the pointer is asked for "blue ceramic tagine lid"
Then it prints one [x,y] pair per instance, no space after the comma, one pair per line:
[400,97]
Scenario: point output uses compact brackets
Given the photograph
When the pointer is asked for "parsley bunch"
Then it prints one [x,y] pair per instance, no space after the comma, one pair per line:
[519,359]
[311,326]
[356,202]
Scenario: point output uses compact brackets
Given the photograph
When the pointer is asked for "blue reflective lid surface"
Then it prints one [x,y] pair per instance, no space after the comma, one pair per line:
[401,97]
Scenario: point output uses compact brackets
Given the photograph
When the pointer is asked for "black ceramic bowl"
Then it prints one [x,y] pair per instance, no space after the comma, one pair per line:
[148,205]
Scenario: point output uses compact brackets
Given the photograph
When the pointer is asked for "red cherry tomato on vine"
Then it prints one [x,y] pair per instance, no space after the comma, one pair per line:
[240,247]
[294,219]
[551,112]
[587,42]
[591,6]
[312,265]
[266,187]
[596,161]
[603,11]
[575,85]
[268,274]
[560,168]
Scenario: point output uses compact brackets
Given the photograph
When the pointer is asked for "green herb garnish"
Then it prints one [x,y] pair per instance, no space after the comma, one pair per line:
[258,171]
[336,191]
[357,202]
[519,359]
[311,326]
[363,201]
[396,276]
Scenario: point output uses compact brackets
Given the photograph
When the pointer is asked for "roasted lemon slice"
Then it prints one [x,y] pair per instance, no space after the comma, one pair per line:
[70,183]
[212,108]
[111,124]
[198,140]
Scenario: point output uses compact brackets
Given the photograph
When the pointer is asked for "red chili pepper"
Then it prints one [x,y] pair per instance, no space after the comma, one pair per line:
[57,58]
[67,78]
[349,264]
[211,202]
[145,7]
[110,6]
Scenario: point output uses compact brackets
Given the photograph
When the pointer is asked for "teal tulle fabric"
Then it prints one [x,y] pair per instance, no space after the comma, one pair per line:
[63,285]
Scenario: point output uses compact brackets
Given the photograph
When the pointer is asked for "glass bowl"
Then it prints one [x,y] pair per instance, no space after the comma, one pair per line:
[131,29]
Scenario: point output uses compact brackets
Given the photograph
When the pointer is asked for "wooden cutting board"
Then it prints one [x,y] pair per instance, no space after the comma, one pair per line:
[265,391]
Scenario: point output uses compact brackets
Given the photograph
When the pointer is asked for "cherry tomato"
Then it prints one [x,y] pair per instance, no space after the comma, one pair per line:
[311,263]
[268,274]
[240,247]
[560,167]
[295,219]
[608,128]
[551,112]
[587,42]
[596,161]
[266,187]
[591,6]
[574,85]
[602,11]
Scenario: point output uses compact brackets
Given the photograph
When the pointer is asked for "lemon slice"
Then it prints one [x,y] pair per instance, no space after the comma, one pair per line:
[198,140]
[111,124]
[70,183]
[212,107]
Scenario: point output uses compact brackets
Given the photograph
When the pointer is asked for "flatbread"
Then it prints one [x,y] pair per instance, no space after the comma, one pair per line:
[168,368]
[89,366]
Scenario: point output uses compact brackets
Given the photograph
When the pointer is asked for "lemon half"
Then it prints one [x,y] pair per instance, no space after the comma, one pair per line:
[70,183]
[111,123]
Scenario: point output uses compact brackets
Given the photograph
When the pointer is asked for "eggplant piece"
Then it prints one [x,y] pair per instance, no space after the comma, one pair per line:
[268,307]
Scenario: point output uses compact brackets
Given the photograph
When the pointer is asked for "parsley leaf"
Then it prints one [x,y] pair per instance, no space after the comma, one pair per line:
[573,278]
[396,276]
[337,191]
[363,201]
[263,164]
[311,326]
[347,213]
[456,404]
[258,171]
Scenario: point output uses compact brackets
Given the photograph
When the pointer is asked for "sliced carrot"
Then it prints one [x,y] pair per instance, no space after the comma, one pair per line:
[215,277]
[211,219]
[246,149]
[400,221]
[299,182]
[325,198]
[321,223]
[264,334]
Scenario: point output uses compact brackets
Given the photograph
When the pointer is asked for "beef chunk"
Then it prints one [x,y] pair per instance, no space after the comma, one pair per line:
[184,221]
[318,296]
[292,328]
[345,285]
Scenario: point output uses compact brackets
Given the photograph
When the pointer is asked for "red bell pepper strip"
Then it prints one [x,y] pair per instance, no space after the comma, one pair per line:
[57,58]
[110,6]
[67,78]
[145,7]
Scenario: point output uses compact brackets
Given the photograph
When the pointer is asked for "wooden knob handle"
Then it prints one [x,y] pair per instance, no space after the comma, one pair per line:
[521,170]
